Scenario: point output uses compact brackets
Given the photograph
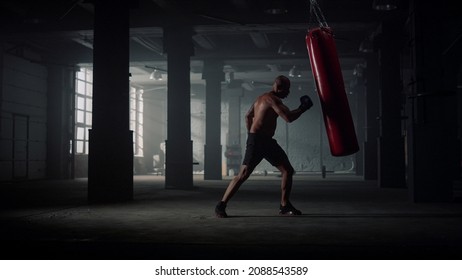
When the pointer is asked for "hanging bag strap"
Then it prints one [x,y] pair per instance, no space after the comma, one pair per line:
[316,14]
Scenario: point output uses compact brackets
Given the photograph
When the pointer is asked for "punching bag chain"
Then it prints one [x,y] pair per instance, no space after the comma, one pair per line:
[315,11]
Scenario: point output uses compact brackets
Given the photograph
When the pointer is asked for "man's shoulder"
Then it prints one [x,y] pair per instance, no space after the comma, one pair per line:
[269,96]
[273,98]
[267,99]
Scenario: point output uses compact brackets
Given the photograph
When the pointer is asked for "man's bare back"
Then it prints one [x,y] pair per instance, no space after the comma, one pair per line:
[262,118]
[262,115]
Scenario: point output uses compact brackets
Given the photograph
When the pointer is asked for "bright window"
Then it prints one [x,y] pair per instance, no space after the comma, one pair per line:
[136,119]
[83,113]
[83,107]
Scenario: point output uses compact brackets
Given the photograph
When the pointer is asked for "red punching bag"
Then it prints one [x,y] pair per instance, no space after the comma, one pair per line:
[331,91]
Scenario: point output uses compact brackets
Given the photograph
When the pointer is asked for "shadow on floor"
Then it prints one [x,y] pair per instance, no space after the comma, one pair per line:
[344,218]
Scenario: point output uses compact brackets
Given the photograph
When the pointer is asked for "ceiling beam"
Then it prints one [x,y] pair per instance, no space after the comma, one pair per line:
[148,44]
[260,39]
[204,41]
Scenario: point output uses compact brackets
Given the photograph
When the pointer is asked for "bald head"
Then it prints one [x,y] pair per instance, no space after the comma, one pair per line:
[281,86]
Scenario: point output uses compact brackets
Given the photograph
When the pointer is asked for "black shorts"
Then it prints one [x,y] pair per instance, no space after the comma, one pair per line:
[263,147]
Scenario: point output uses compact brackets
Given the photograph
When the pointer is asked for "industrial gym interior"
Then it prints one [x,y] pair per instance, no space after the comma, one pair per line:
[122,123]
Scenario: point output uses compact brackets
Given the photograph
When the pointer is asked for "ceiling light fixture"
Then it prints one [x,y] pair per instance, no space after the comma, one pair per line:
[385,5]
[286,48]
[359,70]
[155,75]
[366,46]
[295,72]
[276,7]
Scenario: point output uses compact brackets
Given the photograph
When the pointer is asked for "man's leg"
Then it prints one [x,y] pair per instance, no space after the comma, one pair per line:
[287,172]
[232,188]
[236,182]
[252,158]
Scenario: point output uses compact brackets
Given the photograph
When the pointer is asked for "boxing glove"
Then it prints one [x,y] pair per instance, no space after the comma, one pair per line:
[305,103]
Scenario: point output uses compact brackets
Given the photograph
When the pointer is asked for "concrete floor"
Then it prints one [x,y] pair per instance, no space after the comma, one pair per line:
[343,217]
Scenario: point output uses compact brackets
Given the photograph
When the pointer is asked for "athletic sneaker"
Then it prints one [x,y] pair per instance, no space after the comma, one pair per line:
[220,210]
[289,210]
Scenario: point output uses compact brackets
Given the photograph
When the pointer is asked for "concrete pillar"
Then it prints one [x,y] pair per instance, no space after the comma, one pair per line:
[2,52]
[233,144]
[235,118]
[359,93]
[458,166]
[370,147]
[213,74]
[154,128]
[110,165]
[179,159]
[61,90]
[5,168]
[391,167]
[433,153]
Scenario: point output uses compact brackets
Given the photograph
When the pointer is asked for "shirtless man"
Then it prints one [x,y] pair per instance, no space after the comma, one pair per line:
[261,120]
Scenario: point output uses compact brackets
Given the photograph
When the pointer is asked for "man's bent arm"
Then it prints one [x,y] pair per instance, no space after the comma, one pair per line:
[249,118]
[294,114]
[286,114]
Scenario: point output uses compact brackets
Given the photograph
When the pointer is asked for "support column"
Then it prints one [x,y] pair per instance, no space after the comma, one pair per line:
[179,159]
[359,93]
[391,167]
[233,145]
[433,153]
[213,75]
[2,54]
[59,132]
[5,168]
[372,113]
[110,166]
[154,131]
